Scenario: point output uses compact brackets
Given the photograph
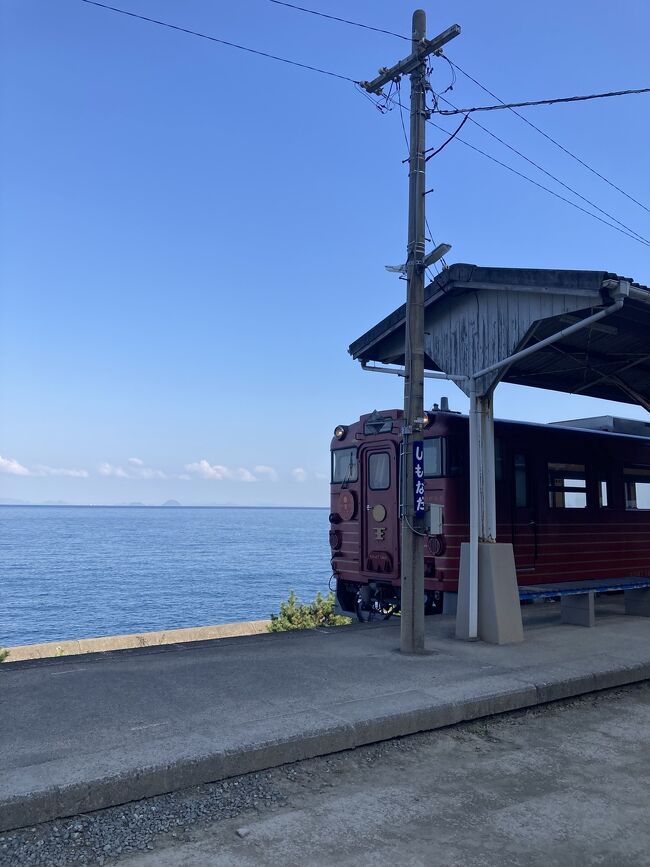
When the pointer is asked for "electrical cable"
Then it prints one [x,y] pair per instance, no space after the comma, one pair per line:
[342,20]
[451,138]
[550,138]
[555,101]
[541,169]
[220,41]
[537,184]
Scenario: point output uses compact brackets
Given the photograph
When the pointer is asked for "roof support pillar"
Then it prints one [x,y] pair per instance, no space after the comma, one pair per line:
[488,599]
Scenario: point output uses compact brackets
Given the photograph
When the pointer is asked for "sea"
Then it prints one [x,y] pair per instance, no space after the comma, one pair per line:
[83,571]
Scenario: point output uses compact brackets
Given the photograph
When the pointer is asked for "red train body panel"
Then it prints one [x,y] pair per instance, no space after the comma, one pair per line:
[575,503]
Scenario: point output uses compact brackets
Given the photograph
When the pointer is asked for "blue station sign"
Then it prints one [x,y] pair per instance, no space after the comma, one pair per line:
[418,478]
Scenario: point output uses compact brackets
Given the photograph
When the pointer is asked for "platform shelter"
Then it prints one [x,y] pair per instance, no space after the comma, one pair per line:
[582,332]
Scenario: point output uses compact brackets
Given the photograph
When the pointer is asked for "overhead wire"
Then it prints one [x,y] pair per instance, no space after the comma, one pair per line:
[454,65]
[537,184]
[220,41]
[342,20]
[543,170]
[555,101]
[511,106]
[630,233]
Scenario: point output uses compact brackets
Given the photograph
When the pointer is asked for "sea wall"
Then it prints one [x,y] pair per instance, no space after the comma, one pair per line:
[139,639]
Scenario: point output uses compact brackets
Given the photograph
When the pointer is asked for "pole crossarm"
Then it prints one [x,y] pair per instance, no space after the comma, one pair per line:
[404,67]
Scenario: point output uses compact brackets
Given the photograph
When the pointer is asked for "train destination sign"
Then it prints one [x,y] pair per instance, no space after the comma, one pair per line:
[418,478]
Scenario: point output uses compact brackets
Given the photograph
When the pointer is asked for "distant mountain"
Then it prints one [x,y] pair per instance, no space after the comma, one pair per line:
[8,501]
[54,503]
[170,503]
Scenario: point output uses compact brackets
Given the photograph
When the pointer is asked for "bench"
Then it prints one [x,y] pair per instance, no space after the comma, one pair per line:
[577,597]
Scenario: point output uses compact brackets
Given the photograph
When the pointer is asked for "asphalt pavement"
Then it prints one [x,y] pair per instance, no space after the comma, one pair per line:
[86,732]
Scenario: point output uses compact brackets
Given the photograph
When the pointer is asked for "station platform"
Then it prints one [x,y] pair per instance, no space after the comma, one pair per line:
[86,732]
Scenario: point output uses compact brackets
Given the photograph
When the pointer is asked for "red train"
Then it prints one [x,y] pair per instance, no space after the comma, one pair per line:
[572,497]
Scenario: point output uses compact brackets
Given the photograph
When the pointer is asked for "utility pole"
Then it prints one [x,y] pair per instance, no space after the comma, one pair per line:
[412,553]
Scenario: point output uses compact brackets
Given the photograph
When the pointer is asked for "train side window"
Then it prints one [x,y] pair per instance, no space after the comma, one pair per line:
[521,482]
[567,486]
[344,465]
[433,456]
[379,471]
[604,498]
[637,487]
[498,460]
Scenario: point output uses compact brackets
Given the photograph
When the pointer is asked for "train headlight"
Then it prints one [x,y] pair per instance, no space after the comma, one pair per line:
[428,419]
[340,431]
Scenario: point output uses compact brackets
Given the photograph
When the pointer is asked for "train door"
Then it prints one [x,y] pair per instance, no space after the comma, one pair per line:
[524,513]
[379,511]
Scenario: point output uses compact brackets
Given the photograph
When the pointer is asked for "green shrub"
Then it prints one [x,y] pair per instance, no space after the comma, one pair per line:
[293,615]
[3,654]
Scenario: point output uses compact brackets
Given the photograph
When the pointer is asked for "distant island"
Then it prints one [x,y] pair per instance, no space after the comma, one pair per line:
[171,503]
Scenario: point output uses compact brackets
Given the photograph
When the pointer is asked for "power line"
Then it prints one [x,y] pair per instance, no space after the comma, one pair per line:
[586,165]
[546,101]
[544,171]
[451,138]
[220,41]
[342,20]
[537,184]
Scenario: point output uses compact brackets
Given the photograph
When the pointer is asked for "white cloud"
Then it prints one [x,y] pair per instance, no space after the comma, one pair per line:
[209,471]
[217,472]
[135,470]
[299,474]
[12,467]
[245,475]
[60,471]
[269,472]
[106,469]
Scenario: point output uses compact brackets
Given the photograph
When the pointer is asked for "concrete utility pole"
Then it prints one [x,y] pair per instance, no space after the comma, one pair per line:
[412,554]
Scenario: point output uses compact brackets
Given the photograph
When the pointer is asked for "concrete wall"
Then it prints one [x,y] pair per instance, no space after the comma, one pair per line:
[141,639]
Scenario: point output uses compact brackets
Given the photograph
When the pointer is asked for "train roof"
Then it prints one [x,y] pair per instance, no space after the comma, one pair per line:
[606,425]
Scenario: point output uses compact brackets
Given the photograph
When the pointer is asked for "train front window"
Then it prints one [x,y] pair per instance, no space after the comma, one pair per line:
[379,471]
[567,486]
[344,465]
[433,456]
[637,488]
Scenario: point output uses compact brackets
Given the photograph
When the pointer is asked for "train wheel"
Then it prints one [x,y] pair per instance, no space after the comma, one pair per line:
[371,608]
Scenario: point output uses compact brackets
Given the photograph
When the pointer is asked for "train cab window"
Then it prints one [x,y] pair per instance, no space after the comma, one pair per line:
[379,471]
[344,465]
[521,482]
[637,487]
[567,486]
[433,456]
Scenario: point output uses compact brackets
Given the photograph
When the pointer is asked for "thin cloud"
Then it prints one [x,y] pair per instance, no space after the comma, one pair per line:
[135,470]
[245,475]
[299,474]
[217,472]
[60,471]
[269,472]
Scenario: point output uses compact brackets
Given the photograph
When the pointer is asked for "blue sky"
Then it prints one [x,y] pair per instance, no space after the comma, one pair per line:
[191,236]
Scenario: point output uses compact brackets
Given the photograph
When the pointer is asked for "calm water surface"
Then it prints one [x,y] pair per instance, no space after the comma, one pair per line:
[74,572]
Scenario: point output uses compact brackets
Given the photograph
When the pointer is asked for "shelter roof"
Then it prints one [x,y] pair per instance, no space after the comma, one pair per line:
[475,315]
